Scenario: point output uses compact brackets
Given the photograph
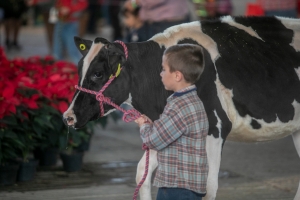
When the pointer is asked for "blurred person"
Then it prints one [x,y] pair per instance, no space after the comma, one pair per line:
[286,8]
[223,8]
[66,27]
[88,20]
[114,9]
[210,7]
[159,15]
[44,7]
[298,8]
[134,25]
[12,20]
[200,8]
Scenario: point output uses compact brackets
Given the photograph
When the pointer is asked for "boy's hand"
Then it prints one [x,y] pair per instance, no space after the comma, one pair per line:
[142,120]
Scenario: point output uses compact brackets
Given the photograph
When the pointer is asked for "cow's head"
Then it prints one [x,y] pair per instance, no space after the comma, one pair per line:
[100,60]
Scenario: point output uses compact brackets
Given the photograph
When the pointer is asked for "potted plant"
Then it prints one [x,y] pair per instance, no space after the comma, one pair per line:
[8,153]
[34,93]
[71,156]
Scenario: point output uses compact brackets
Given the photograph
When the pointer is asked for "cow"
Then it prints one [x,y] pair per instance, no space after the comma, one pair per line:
[250,86]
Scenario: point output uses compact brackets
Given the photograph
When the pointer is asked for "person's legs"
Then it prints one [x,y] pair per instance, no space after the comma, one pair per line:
[57,51]
[7,30]
[177,194]
[16,23]
[71,31]
[49,27]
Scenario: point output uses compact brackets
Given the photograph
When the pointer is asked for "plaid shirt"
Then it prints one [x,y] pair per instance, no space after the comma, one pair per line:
[179,136]
[269,5]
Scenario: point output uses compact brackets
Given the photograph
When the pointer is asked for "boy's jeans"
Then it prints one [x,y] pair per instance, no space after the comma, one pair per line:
[177,194]
[64,33]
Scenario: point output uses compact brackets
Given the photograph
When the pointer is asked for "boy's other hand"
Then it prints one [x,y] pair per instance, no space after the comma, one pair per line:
[142,120]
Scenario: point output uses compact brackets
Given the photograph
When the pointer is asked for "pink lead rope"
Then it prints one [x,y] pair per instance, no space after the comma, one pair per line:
[129,115]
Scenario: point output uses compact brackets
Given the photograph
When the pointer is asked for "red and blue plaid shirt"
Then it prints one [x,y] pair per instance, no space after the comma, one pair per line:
[179,136]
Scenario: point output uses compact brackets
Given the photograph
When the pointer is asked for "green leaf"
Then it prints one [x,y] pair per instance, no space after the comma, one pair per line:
[9,120]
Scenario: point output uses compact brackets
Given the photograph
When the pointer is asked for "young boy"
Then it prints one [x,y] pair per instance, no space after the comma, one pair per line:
[179,135]
[134,24]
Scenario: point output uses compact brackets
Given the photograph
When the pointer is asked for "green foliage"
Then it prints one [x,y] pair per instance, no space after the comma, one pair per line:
[43,128]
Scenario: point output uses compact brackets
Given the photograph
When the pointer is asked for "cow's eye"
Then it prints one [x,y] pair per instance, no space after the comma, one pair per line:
[98,75]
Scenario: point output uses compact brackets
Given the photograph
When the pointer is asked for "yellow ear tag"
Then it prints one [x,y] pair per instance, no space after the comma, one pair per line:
[82,47]
[118,70]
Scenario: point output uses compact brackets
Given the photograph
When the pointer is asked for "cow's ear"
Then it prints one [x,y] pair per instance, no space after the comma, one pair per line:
[83,45]
[116,51]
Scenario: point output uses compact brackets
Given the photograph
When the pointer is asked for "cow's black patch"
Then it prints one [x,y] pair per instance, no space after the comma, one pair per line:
[147,91]
[261,74]
[255,124]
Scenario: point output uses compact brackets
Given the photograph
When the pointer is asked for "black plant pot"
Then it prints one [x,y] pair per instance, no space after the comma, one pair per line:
[47,157]
[72,162]
[84,146]
[8,173]
[27,170]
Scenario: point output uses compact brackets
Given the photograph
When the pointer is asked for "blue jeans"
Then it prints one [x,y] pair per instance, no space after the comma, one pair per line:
[63,39]
[177,194]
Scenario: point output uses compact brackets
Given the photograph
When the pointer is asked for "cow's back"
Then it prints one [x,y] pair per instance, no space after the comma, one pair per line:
[251,73]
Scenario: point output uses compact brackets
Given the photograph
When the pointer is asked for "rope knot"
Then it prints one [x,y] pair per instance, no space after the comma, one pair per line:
[100,97]
[131,115]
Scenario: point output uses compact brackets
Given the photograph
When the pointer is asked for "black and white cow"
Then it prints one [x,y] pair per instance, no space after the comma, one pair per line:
[250,86]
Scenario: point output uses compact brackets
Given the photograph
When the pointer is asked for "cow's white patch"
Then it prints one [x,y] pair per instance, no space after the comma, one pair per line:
[229,20]
[293,24]
[129,100]
[296,139]
[298,72]
[70,113]
[192,30]
[108,112]
[95,48]
[213,150]
[145,190]
[242,131]
[268,131]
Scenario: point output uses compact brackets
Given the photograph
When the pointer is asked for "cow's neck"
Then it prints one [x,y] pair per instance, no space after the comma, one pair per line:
[147,91]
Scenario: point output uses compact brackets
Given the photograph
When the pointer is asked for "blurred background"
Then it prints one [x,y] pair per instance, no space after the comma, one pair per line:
[108,18]
[37,51]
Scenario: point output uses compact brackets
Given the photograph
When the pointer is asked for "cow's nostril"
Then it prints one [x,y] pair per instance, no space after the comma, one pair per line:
[69,119]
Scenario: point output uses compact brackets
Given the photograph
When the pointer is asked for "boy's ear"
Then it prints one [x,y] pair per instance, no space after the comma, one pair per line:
[178,75]
[83,45]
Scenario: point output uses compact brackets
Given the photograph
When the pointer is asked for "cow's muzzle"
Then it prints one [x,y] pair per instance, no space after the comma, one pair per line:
[69,121]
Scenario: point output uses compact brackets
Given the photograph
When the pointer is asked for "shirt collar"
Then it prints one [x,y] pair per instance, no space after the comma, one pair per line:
[183,91]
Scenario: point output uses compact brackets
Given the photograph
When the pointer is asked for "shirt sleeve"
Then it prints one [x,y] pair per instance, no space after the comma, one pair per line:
[168,128]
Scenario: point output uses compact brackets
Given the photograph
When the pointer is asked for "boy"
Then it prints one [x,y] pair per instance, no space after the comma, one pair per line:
[179,135]
[134,25]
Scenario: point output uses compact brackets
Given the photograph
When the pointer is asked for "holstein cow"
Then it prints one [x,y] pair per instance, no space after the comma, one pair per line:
[250,85]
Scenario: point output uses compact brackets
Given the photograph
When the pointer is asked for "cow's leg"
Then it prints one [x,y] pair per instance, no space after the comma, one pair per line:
[296,138]
[213,150]
[145,190]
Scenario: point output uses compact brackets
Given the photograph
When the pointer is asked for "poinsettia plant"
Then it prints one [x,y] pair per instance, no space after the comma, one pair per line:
[34,93]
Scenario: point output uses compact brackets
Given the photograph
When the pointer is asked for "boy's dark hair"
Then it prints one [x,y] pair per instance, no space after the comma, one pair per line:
[125,11]
[186,58]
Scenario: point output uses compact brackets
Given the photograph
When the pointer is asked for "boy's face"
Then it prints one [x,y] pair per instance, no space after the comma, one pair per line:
[168,78]
[130,20]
